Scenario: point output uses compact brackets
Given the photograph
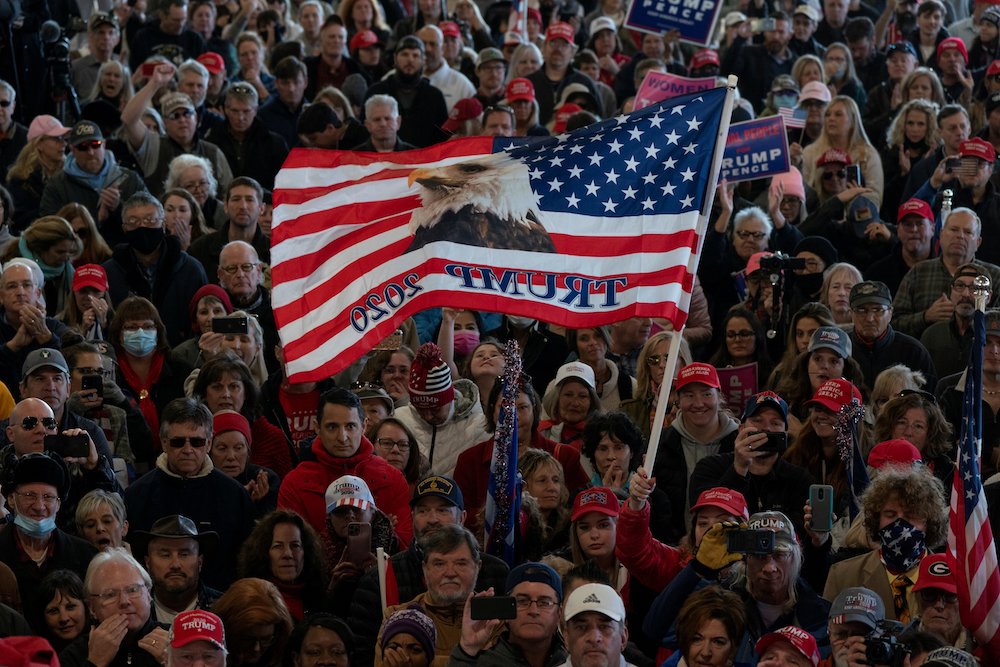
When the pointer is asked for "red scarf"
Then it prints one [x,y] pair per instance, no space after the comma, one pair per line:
[572,433]
[143,390]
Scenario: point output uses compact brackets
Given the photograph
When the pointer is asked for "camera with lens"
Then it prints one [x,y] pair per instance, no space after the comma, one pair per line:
[882,646]
[60,81]
[779,261]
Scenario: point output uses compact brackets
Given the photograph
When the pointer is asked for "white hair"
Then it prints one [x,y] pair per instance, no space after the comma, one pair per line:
[37,276]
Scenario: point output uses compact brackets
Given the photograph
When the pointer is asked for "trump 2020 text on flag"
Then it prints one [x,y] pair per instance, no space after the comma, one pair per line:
[579,230]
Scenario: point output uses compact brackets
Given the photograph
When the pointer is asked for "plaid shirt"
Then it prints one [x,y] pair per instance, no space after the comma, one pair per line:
[922,286]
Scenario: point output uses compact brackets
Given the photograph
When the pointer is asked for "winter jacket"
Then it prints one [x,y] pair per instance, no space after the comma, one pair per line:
[304,488]
[422,116]
[472,473]
[178,277]
[653,563]
[406,581]
[259,155]
[447,620]
[11,362]
[210,498]
[785,489]
[505,654]
[891,348]
[671,469]
[441,445]
[68,553]
[62,189]
[130,654]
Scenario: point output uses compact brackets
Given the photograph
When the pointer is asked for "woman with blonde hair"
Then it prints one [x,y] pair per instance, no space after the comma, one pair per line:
[52,244]
[835,293]
[257,621]
[95,249]
[40,159]
[891,382]
[843,129]
[111,92]
[807,68]
[923,83]
[912,136]
[526,59]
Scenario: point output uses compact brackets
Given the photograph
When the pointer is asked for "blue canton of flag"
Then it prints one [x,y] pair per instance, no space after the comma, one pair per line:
[654,161]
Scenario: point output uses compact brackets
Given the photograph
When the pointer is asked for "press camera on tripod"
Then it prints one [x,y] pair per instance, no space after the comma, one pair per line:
[62,94]
[777,266]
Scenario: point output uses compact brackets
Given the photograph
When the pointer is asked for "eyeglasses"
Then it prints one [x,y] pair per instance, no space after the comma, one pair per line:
[231,269]
[197,185]
[88,146]
[733,335]
[85,371]
[132,592]
[366,386]
[177,443]
[756,236]
[829,175]
[877,311]
[6,103]
[31,497]
[656,359]
[180,113]
[523,602]
[930,596]
[814,264]
[388,444]
[995,78]
[960,286]
[29,423]
[148,221]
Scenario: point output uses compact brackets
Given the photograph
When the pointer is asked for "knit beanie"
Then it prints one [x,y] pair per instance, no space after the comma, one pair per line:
[230,420]
[413,622]
[430,379]
[818,246]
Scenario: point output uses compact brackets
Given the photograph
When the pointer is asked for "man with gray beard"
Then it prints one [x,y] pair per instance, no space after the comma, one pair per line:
[451,565]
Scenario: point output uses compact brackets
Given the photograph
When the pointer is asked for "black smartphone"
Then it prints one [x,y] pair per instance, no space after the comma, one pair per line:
[952,165]
[750,541]
[777,441]
[92,382]
[68,446]
[359,542]
[821,501]
[502,607]
[854,174]
[230,325]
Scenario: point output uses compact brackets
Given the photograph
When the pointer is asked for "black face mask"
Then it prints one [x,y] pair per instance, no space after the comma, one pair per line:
[906,23]
[145,240]
[809,283]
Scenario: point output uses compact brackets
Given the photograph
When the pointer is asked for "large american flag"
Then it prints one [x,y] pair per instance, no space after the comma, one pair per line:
[970,539]
[621,201]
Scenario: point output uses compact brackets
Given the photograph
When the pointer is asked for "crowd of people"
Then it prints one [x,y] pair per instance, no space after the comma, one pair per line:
[171,498]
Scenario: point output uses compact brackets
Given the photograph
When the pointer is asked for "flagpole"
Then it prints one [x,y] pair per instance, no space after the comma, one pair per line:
[663,397]
[981,293]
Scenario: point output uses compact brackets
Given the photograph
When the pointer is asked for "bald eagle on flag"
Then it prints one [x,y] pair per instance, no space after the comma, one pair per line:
[486,202]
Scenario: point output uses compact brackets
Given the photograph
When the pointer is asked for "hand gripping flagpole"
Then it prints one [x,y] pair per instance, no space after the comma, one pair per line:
[981,293]
[675,336]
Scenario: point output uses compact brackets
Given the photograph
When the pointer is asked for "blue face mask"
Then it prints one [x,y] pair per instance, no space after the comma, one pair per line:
[139,343]
[785,101]
[35,528]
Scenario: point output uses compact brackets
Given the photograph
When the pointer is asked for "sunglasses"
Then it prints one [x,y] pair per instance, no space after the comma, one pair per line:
[180,113]
[88,146]
[177,443]
[930,596]
[6,103]
[828,175]
[926,395]
[29,423]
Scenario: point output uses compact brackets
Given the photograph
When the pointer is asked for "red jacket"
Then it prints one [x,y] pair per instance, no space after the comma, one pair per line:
[304,488]
[652,562]
[472,473]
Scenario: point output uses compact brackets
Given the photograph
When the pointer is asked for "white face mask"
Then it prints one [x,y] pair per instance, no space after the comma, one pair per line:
[520,322]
